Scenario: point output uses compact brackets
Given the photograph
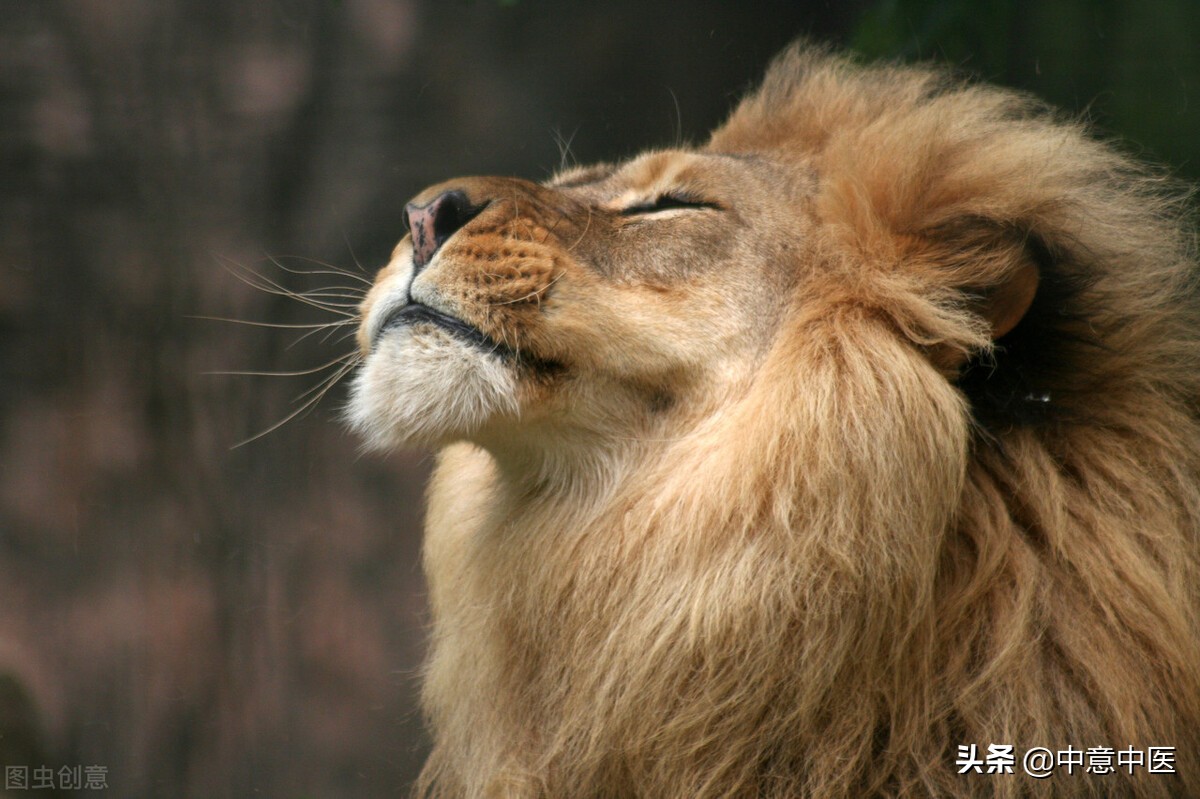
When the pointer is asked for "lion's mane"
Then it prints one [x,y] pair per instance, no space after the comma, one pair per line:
[901,537]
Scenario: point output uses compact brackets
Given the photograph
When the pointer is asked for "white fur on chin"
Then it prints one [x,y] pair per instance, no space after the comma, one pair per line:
[422,387]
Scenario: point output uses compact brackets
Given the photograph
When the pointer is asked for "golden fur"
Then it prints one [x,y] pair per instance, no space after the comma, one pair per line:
[877,436]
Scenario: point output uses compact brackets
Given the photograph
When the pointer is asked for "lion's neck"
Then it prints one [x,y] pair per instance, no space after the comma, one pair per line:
[545,462]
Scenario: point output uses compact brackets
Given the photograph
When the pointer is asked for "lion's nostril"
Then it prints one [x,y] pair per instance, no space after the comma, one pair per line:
[432,224]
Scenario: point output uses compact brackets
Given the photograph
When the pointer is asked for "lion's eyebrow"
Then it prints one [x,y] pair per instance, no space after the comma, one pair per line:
[738,156]
[582,177]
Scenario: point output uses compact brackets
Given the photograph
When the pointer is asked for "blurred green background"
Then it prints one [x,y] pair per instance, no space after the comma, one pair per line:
[204,621]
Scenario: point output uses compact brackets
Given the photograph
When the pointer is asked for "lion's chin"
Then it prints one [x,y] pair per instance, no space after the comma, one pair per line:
[422,388]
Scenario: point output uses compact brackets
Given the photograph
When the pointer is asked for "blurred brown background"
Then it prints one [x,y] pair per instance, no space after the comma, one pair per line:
[209,622]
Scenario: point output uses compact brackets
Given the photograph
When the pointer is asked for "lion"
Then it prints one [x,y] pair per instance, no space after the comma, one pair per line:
[853,453]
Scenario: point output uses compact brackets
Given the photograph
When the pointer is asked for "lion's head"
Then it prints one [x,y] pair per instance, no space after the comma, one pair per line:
[788,464]
[599,305]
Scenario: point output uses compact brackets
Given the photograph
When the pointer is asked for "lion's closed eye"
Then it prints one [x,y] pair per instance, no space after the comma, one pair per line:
[670,201]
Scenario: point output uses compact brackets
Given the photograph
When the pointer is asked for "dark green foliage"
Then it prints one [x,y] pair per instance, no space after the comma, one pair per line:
[1130,70]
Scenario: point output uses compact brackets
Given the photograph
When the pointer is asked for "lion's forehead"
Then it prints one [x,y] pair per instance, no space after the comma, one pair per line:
[733,177]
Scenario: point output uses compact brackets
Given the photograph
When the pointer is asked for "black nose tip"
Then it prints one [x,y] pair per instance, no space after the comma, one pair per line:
[435,222]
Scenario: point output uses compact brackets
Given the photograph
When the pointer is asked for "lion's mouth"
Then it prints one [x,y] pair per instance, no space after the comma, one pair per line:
[415,313]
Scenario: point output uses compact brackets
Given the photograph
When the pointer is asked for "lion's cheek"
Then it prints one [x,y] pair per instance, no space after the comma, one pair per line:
[626,332]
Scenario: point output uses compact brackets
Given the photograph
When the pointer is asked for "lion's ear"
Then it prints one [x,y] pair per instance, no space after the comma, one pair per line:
[1005,305]
[994,269]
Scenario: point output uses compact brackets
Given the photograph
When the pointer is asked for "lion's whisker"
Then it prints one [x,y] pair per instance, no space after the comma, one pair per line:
[267,286]
[326,383]
[320,295]
[328,268]
[297,373]
[315,395]
[255,323]
[328,331]
[354,257]
[536,293]
[586,227]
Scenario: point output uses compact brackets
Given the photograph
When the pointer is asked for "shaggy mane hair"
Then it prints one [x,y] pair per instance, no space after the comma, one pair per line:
[923,523]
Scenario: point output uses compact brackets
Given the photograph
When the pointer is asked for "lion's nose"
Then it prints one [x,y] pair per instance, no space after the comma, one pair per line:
[436,221]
